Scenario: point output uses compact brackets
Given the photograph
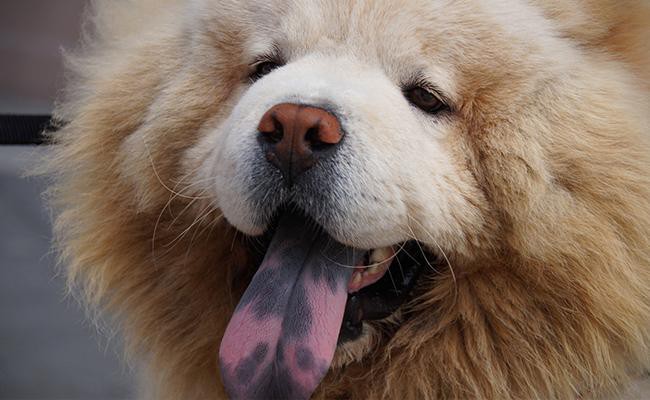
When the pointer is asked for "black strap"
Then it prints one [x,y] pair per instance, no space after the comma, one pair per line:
[24,129]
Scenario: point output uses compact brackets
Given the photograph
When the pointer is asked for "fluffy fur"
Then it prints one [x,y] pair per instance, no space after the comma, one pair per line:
[539,196]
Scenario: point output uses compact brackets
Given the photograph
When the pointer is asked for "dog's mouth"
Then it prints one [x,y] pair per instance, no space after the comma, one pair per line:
[309,294]
[378,290]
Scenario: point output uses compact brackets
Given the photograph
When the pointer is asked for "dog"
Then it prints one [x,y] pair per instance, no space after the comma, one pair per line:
[417,199]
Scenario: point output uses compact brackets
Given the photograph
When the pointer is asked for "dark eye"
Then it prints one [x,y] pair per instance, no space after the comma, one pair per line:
[424,100]
[263,68]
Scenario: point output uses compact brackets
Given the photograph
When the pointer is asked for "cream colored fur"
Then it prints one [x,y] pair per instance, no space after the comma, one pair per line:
[536,187]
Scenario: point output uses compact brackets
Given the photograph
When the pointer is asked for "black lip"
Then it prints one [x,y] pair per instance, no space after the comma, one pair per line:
[387,295]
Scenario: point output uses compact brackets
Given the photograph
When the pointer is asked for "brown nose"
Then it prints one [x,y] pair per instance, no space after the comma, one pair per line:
[295,137]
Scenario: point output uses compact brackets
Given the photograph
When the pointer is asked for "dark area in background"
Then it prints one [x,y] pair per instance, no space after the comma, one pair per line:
[48,350]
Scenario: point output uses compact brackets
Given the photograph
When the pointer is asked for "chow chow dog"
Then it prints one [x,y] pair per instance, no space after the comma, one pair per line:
[413,199]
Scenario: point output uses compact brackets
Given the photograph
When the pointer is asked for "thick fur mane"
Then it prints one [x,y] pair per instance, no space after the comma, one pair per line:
[559,307]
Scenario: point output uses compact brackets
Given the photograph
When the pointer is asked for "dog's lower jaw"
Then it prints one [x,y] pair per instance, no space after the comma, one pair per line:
[354,351]
[371,338]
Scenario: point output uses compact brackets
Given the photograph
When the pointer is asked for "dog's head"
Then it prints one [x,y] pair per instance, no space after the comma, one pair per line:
[355,119]
[370,152]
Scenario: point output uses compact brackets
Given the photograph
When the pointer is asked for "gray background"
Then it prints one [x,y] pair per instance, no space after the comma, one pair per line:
[48,350]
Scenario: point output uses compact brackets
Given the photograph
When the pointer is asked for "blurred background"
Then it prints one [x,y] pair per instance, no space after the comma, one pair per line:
[48,350]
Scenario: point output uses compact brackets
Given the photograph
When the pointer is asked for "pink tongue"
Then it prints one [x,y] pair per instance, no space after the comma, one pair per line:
[281,339]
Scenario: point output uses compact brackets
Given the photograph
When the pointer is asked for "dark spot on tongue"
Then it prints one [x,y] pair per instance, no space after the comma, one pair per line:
[282,336]
[305,358]
[270,286]
[246,368]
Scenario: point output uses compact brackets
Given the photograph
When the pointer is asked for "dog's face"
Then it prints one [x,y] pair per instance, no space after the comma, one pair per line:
[398,169]
[366,117]
[371,152]
[408,84]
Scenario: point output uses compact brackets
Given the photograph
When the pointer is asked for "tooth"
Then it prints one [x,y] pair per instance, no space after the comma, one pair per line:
[380,255]
[357,278]
[372,270]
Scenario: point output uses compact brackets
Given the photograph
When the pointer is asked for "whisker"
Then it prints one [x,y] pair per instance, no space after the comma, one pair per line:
[202,215]
[390,275]
[198,233]
[189,247]
[364,266]
[173,195]
[155,171]
[180,214]
[234,239]
[155,228]
[399,264]
[451,268]
[175,218]
[194,181]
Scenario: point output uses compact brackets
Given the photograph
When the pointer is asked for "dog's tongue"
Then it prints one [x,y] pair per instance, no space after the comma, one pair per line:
[281,339]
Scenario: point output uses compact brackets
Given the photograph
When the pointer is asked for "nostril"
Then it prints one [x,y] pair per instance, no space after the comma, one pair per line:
[315,142]
[272,133]
[275,136]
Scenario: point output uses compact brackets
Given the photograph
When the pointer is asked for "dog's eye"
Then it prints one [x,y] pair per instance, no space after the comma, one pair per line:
[263,68]
[424,100]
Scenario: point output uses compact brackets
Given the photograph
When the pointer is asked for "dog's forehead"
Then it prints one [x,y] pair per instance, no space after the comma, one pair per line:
[365,27]
[448,30]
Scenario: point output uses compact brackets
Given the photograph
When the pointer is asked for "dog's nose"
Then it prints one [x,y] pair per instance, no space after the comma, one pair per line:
[296,136]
